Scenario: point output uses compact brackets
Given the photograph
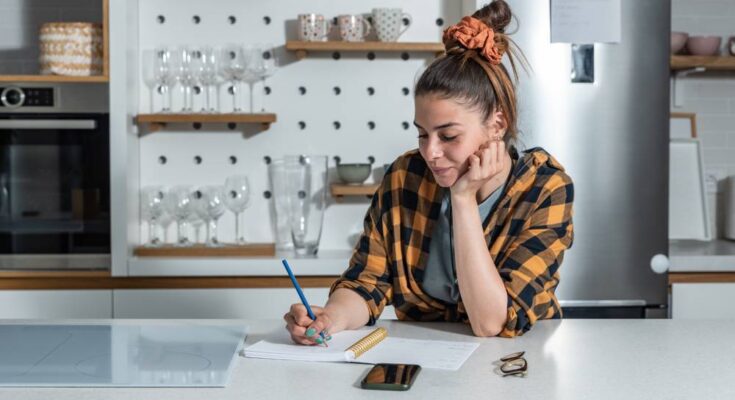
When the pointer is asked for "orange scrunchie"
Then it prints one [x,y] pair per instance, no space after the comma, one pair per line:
[474,34]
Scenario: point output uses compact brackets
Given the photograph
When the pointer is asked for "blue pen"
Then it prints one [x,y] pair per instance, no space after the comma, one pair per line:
[303,298]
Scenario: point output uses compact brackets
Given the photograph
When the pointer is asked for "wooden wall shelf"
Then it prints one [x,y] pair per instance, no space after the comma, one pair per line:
[303,48]
[159,121]
[718,63]
[247,250]
[339,190]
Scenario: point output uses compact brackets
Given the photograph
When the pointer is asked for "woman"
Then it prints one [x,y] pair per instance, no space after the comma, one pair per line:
[464,229]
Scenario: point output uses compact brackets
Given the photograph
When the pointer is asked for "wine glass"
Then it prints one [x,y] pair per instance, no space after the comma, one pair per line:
[185,74]
[163,71]
[148,75]
[205,70]
[232,68]
[270,66]
[213,206]
[179,204]
[200,210]
[237,199]
[151,200]
[254,69]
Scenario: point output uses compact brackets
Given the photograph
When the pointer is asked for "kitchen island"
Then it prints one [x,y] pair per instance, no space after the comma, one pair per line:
[570,359]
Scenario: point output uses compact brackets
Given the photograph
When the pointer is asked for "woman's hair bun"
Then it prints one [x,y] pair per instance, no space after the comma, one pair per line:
[496,15]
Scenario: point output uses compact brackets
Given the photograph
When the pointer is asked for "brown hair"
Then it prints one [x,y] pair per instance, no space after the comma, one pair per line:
[480,84]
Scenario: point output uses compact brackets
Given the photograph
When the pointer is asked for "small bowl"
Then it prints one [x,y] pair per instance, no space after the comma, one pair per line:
[354,173]
[678,40]
[704,45]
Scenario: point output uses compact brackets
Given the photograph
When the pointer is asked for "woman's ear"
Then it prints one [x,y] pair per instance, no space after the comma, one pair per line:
[498,125]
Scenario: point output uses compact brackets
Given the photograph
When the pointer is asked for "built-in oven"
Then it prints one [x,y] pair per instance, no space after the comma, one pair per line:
[54,180]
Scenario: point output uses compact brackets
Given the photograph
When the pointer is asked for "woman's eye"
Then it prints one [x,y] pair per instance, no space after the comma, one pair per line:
[448,138]
[422,136]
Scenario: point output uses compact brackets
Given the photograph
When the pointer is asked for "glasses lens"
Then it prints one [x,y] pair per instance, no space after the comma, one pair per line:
[513,356]
[514,366]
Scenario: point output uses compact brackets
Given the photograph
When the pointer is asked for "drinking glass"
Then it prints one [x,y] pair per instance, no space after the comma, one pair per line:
[279,206]
[233,64]
[253,71]
[237,199]
[270,66]
[306,180]
[164,73]
[151,200]
[206,72]
[211,209]
[186,59]
[179,204]
[149,76]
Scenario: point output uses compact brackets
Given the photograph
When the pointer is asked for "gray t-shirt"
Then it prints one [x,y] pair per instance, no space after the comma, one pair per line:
[440,278]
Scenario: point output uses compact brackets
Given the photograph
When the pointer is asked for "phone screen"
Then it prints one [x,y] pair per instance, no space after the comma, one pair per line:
[391,376]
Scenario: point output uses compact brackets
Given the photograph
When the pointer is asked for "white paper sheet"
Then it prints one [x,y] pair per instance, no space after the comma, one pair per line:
[432,354]
[585,21]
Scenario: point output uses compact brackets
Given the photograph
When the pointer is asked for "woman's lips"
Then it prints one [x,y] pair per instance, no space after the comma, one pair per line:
[440,171]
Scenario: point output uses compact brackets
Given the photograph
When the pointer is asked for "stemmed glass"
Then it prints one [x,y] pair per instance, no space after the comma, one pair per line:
[211,208]
[237,199]
[151,200]
[163,71]
[148,74]
[186,75]
[269,65]
[179,205]
[233,63]
[205,70]
[254,69]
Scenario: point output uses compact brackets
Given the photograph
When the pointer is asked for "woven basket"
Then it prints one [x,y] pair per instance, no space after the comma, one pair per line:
[71,48]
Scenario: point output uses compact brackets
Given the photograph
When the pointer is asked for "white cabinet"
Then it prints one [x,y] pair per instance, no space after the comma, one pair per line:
[214,303]
[703,300]
[55,304]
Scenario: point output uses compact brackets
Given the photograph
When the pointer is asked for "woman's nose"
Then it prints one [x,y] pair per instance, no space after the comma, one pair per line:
[433,149]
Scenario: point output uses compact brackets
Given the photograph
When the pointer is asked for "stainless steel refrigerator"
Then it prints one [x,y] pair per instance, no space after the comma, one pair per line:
[611,134]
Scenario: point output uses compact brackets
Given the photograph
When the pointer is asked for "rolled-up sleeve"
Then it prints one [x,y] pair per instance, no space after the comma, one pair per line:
[530,269]
[368,273]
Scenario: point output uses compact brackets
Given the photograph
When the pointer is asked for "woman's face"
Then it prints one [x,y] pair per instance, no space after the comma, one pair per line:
[449,133]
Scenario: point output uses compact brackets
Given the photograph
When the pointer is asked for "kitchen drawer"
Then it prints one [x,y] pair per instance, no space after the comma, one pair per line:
[214,303]
[55,304]
[703,300]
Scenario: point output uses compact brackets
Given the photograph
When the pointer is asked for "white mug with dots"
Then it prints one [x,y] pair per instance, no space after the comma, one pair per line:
[389,23]
[314,27]
[353,28]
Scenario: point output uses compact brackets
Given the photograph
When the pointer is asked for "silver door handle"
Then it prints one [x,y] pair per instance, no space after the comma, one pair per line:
[87,124]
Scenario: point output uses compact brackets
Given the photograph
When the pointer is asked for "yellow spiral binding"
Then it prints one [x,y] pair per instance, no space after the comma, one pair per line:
[368,342]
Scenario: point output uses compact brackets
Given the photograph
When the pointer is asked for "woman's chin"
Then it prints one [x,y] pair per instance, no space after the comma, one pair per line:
[444,181]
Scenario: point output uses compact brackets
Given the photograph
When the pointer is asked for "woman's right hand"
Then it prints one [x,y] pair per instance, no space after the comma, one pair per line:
[304,330]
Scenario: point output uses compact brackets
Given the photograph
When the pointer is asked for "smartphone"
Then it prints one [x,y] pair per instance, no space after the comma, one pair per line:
[391,377]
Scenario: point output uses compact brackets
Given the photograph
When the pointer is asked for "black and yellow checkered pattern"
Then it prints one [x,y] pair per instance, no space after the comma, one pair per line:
[529,230]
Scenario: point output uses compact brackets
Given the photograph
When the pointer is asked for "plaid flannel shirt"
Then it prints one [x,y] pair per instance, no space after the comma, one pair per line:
[528,232]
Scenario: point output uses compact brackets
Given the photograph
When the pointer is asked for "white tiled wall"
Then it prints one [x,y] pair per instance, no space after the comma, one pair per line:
[20,21]
[710,95]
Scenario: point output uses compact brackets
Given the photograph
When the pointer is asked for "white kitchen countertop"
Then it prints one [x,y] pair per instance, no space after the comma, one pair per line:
[571,359]
[699,256]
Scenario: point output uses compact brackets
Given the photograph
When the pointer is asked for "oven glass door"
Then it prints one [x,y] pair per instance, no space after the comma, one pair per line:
[54,184]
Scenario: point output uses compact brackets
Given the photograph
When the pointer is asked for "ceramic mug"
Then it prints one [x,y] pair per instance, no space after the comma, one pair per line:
[353,28]
[314,27]
[388,23]
[731,45]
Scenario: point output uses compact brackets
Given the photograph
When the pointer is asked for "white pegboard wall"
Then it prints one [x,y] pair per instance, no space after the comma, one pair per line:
[387,110]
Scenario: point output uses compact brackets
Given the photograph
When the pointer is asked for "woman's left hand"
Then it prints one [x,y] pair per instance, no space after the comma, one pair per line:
[484,164]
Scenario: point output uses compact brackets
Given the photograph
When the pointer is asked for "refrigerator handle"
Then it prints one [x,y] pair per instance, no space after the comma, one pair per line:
[660,263]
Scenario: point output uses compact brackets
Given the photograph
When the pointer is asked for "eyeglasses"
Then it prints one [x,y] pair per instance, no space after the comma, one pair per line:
[514,364]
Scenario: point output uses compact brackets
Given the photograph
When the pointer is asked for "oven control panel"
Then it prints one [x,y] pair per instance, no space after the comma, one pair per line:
[17,97]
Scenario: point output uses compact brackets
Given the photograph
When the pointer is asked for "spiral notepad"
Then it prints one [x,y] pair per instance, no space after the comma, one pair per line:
[371,347]
[367,343]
